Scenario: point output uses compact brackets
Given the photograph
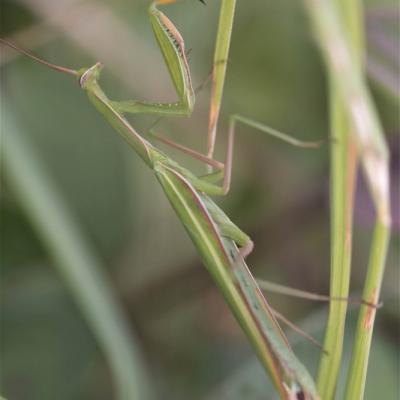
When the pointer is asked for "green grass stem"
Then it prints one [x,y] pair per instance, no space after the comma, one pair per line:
[338,28]
[359,361]
[343,167]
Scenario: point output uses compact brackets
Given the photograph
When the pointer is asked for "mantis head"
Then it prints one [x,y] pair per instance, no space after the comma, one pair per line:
[89,76]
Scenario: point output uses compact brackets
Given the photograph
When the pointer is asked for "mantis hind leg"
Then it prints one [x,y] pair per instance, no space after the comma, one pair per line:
[303,294]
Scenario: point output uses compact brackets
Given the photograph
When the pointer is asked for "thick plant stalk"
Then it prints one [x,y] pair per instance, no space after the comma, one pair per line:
[77,263]
[343,64]
[343,173]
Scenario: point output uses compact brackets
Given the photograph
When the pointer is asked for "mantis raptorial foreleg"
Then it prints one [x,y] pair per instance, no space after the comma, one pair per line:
[172,47]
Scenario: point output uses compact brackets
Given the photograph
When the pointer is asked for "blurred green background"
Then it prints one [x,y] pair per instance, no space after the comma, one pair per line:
[190,345]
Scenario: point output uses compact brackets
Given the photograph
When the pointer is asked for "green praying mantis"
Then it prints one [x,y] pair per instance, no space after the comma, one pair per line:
[221,245]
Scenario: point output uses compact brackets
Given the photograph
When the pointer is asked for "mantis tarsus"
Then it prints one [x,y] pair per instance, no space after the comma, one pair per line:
[214,235]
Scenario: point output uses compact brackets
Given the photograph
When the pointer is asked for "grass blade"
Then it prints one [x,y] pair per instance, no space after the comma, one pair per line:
[340,36]
[77,263]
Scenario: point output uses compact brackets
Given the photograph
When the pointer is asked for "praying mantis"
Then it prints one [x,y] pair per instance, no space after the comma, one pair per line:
[221,245]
